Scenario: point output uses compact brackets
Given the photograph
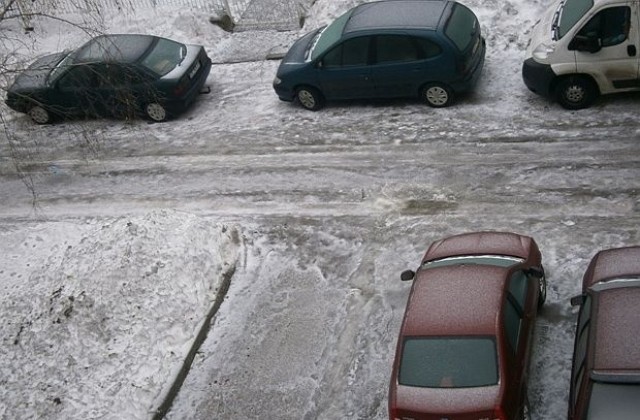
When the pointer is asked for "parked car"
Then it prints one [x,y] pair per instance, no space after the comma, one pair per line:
[583,48]
[605,376]
[115,75]
[465,342]
[398,48]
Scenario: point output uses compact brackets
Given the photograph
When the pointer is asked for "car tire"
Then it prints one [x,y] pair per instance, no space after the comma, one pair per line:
[437,95]
[39,115]
[155,112]
[576,92]
[542,285]
[309,98]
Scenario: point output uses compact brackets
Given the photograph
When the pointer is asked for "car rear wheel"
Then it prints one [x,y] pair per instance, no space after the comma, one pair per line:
[155,112]
[437,95]
[576,92]
[542,284]
[310,98]
[39,115]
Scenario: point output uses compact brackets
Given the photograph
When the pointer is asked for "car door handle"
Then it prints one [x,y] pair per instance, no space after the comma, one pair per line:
[631,50]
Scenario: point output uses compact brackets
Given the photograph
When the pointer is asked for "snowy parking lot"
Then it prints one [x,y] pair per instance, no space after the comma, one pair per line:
[117,237]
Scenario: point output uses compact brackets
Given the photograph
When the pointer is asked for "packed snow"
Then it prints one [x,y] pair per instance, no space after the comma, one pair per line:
[118,237]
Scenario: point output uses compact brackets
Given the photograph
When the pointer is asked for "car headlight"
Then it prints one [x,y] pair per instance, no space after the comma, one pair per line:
[542,51]
[277,81]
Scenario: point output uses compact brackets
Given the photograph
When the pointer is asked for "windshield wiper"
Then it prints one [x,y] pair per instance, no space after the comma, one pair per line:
[555,24]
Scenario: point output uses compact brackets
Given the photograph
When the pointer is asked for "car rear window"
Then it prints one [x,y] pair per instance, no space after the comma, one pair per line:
[614,401]
[448,362]
[164,56]
[461,27]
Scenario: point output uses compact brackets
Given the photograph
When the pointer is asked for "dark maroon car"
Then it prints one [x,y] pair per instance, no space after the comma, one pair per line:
[465,341]
[605,376]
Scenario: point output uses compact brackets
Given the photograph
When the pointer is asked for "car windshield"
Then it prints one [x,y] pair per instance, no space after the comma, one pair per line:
[569,12]
[164,56]
[60,68]
[497,260]
[448,362]
[329,36]
[614,401]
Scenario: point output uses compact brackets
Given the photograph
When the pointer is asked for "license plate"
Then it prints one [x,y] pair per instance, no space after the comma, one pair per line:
[194,70]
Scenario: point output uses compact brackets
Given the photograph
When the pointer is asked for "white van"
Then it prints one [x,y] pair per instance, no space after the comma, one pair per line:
[580,49]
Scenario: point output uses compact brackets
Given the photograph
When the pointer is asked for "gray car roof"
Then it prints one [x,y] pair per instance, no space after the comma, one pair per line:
[396,14]
[121,48]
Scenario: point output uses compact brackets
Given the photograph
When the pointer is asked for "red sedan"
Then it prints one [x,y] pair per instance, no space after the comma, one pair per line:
[465,341]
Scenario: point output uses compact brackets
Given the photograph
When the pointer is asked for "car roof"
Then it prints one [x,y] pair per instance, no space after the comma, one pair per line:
[396,14]
[612,264]
[616,332]
[455,300]
[126,48]
[478,243]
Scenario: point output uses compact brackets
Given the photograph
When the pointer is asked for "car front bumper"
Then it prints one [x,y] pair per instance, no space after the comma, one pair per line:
[538,77]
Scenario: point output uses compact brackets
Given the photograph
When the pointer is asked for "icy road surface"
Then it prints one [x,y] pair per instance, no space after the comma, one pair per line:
[331,207]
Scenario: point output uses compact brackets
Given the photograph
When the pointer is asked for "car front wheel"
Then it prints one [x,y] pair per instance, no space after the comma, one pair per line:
[155,112]
[39,115]
[437,95]
[310,98]
[576,92]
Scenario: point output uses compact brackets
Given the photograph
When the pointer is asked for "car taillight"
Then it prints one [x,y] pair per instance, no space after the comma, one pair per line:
[181,88]
[499,414]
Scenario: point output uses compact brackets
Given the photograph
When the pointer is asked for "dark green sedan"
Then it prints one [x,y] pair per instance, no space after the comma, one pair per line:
[113,75]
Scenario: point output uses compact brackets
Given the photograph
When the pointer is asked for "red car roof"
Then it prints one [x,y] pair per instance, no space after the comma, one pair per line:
[455,300]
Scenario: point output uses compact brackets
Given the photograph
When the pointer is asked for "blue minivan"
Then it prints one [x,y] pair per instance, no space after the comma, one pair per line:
[430,49]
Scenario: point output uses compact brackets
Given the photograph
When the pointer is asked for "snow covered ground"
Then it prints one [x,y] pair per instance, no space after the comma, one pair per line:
[116,242]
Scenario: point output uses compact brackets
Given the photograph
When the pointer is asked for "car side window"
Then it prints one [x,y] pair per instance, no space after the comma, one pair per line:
[512,323]
[518,286]
[429,48]
[610,25]
[78,77]
[514,307]
[352,52]
[396,49]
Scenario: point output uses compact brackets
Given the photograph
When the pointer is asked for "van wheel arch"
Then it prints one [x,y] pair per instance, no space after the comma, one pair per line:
[575,91]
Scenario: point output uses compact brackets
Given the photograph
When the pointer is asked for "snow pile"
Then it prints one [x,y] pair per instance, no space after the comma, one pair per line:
[97,321]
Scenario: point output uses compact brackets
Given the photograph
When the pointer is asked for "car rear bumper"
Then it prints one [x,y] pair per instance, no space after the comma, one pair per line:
[176,106]
[472,77]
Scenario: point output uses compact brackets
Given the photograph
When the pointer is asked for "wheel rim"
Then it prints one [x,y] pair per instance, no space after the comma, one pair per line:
[437,95]
[307,99]
[156,112]
[574,93]
[39,115]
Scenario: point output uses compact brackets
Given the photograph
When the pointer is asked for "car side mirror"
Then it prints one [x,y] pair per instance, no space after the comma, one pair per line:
[407,275]
[577,300]
[588,43]
[535,272]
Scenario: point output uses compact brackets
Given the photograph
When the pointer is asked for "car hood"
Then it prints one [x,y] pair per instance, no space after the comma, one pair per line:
[35,76]
[447,400]
[298,51]
[489,243]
